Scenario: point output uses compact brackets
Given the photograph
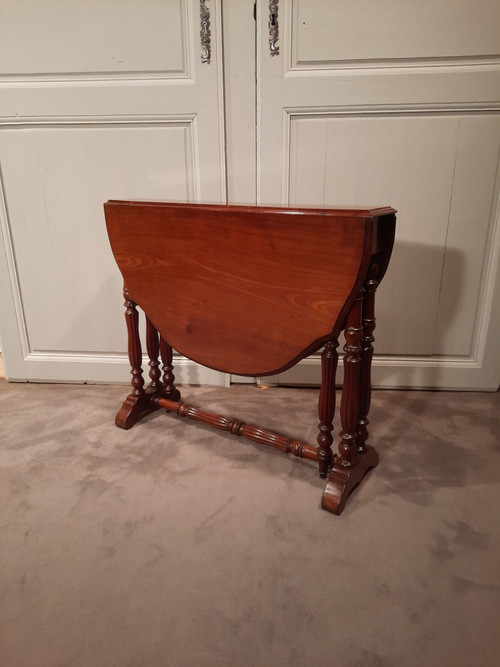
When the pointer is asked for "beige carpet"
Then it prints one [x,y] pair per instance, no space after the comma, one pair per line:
[174,545]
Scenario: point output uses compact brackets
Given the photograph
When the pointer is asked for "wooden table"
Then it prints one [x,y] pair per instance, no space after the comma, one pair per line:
[251,291]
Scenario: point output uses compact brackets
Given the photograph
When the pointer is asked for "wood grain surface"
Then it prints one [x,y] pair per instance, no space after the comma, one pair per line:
[243,290]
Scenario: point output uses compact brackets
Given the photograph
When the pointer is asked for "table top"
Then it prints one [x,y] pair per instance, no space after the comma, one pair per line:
[244,289]
[351,211]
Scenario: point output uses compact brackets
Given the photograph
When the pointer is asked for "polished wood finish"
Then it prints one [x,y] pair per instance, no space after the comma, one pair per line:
[236,427]
[196,269]
[168,388]
[353,461]
[153,347]
[368,324]
[137,404]
[326,405]
[341,481]
[251,291]
[349,404]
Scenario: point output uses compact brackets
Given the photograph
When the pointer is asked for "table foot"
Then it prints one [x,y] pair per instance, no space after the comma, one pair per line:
[341,481]
[134,408]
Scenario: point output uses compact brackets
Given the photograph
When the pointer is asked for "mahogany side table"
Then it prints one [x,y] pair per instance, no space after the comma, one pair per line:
[251,291]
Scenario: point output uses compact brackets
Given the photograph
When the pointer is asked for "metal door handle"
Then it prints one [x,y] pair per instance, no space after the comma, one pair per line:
[205,34]
[274,29]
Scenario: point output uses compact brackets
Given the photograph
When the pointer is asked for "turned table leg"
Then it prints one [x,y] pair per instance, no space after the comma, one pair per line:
[365,386]
[168,389]
[350,466]
[349,404]
[153,348]
[137,402]
[326,405]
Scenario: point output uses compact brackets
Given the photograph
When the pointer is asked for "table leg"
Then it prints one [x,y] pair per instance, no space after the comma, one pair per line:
[138,401]
[365,386]
[326,405]
[350,466]
[349,404]
[153,347]
[169,389]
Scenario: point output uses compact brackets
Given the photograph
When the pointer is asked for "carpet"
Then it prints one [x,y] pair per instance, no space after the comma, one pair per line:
[173,545]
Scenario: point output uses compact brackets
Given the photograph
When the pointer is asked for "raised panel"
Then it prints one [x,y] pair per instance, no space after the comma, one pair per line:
[472,217]
[55,181]
[68,38]
[344,32]
[438,171]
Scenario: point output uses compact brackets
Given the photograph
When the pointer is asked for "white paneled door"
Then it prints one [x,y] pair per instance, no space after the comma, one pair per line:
[397,103]
[98,100]
[313,102]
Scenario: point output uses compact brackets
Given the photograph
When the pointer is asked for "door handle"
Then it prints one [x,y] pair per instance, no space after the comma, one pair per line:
[205,34]
[274,30]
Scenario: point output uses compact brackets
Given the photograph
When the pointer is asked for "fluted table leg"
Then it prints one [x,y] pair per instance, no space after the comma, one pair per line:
[326,405]
[349,404]
[365,387]
[350,467]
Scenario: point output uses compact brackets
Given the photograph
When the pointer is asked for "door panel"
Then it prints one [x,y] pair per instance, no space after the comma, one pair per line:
[137,115]
[396,158]
[361,110]
[96,37]
[53,228]
[346,33]
[391,102]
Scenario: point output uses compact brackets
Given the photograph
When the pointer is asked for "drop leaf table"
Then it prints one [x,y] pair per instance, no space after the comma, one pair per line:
[251,291]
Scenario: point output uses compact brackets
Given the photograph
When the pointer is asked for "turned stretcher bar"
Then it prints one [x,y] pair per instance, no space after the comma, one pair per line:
[259,435]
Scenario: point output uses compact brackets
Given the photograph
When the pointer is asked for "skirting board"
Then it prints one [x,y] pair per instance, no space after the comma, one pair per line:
[402,373]
[387,372]
[107,369]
